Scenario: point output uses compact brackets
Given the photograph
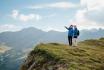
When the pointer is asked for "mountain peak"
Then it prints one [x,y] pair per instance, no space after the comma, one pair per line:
[31,29]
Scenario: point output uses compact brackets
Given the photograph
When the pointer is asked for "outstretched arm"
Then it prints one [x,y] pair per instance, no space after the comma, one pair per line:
[67,28]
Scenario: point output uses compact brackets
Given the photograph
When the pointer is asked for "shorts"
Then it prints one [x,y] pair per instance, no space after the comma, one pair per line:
[75,36]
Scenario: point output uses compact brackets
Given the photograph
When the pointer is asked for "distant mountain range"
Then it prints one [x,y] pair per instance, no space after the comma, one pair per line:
[29,37]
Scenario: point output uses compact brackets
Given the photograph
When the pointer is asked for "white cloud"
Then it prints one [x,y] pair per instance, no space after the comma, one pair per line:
[15,13]
[19,16]
[93,4]
[97,16]
[64,5]
[9,27]
[83,23]
[25,18]
[50,15]
[95,9]
[90,15]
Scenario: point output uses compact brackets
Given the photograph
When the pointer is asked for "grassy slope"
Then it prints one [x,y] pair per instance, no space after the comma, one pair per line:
[89,55]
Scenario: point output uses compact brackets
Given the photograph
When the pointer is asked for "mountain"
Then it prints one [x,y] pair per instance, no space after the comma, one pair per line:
[24,38]
[29,37]
[89,55]
[91,34]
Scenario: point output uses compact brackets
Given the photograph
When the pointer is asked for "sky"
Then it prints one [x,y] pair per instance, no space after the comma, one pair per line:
[51,14]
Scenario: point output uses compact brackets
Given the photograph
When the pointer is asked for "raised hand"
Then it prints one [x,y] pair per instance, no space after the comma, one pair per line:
[66,27]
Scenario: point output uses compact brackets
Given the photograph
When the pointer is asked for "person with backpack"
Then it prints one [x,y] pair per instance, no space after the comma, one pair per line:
[75,35]
[70,34]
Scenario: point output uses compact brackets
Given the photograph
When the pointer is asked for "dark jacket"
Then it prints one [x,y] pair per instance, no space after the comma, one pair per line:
[75,33]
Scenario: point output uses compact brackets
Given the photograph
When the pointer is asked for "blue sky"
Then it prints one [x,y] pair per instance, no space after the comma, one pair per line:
[51,14]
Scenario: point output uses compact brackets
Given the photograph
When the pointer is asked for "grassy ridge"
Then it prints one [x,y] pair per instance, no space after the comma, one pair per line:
[89,55]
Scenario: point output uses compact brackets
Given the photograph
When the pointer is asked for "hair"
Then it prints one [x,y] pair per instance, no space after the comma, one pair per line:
[71,25]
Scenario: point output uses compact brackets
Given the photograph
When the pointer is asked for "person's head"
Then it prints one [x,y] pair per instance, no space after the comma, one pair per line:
[75,26]
[71,26]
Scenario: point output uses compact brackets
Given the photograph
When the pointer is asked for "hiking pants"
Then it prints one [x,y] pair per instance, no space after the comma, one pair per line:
[74,41]
[70,40]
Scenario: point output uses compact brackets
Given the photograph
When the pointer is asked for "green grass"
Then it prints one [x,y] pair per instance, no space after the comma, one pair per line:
[89,55]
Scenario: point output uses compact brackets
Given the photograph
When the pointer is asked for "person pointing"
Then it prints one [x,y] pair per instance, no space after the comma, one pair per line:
[70,34]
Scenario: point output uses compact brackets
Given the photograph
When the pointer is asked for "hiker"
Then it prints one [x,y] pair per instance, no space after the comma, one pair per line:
[75,35]
[70,34]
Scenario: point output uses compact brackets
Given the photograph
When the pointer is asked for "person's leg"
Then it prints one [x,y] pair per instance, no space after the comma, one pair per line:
[75,41]
[69,40]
